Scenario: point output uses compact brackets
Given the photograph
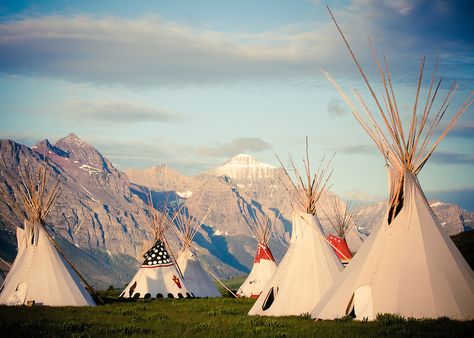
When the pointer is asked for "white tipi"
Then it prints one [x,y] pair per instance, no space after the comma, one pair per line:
[158,276]
[40,274]
[408,265]
[264,265]
[310,265]
[198,282]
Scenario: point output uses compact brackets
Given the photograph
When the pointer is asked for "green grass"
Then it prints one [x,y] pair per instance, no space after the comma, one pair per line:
[223,317]
[232,284]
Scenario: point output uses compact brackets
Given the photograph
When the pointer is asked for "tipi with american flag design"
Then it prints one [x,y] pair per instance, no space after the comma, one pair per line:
[158,276]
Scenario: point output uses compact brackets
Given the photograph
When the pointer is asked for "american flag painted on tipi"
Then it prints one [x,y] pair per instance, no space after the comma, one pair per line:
[157,256]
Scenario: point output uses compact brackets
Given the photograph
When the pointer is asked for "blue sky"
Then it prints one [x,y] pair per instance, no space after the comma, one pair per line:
[192,83]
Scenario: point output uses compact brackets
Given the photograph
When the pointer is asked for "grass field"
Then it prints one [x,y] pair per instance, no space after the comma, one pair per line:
[223,317]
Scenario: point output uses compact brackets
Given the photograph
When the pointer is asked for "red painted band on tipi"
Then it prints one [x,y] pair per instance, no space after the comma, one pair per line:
[343,251]
[263,252]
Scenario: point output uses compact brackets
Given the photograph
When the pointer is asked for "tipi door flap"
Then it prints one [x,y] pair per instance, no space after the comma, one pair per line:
[19,296]
[363,303]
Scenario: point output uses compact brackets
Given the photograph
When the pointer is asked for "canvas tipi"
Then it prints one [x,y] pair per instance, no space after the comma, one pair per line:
[342,219]
[264,265]
[310,265]
[40,274]
[198,282]
[158,276]
[408,265]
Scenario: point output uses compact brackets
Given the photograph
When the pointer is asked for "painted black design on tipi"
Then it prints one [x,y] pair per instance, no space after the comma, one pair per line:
[157,256]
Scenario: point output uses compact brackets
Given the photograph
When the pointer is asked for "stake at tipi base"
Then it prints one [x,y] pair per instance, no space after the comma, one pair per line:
[40,274]
[198,282]
[408,265]
[310,265]
[264,265]
[158,276]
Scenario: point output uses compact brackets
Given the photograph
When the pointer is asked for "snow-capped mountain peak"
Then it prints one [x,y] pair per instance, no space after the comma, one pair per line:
[242,167]
[246,161]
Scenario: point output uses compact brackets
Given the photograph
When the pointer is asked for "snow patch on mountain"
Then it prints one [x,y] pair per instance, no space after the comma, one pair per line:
[437,204]
[220,233]
[184,194]
[89,169]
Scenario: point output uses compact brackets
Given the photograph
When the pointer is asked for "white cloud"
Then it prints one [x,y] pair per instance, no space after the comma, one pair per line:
[149,51]
[119,111]
[336,107]
[189,158]
[239,145]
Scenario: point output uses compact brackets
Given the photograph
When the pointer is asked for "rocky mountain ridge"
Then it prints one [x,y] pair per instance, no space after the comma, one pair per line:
[99,219]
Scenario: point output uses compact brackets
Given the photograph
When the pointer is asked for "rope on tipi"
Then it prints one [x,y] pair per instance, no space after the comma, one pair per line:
[406,147]
[187,226]
[225,287]
[5,262]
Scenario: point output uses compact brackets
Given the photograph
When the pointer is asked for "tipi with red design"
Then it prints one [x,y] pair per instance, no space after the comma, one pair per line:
[342,218]
[264,265]
[341,248]
[158,276]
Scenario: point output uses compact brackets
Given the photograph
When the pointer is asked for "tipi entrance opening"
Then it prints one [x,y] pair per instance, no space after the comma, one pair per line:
[269,300]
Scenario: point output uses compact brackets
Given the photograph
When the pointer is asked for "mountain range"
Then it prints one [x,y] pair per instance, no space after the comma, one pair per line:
[99,219]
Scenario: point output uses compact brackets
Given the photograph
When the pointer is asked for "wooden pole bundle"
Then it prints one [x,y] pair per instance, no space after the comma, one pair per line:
[308,188]
[187,225]
[341,219]
[405,147]
[260,224]
[33,200]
